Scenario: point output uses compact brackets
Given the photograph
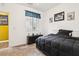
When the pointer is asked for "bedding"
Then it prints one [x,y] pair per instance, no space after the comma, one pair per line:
[58,45]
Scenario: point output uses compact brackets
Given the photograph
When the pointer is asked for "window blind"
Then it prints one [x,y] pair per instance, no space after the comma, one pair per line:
[32,14]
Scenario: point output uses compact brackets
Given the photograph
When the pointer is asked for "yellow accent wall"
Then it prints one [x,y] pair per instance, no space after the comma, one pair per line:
[3,33]
[3,29]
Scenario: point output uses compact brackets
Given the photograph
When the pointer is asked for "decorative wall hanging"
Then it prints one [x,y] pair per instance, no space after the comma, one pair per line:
[71,16]
[51,19]
[3,20]
[59,16]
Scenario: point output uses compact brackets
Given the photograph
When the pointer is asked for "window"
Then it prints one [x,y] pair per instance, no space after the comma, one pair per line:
[32,14]
[32,21]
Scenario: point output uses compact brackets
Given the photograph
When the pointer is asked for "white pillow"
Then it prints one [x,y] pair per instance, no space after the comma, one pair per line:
[54,31]
[51,32]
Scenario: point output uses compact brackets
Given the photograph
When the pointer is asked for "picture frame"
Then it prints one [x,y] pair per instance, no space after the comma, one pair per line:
[59,16]
[3,20]
[71,16]
[51,19]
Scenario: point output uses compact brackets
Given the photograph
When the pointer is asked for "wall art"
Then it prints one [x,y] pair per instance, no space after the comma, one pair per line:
[51,19]
[71,16]
[59,16]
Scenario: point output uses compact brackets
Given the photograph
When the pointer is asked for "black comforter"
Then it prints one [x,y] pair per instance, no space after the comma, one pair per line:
[58,45]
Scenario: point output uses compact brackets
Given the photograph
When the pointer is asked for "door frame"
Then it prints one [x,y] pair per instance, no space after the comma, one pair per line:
[6,13]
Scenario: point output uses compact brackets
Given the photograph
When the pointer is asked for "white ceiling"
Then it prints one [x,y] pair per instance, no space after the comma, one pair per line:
[41,6]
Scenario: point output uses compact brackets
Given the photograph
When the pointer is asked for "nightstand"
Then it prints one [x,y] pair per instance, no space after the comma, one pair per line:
[31,39]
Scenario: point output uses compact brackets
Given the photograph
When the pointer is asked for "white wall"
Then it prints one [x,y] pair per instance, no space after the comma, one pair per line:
[70,25]
[17,23]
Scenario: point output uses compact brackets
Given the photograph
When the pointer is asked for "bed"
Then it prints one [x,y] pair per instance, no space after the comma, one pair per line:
[60,44]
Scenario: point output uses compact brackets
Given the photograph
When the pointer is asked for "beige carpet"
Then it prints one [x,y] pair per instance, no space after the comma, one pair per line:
[28,50]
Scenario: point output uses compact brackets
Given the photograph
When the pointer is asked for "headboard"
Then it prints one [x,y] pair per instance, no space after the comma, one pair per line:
[65,32]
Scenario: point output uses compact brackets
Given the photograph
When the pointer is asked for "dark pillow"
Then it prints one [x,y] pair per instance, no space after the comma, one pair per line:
[65,32]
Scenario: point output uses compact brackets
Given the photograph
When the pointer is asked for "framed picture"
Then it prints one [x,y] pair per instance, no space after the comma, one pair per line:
[3,20]
[71,16]
[51,19]
[59,16]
